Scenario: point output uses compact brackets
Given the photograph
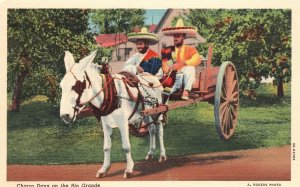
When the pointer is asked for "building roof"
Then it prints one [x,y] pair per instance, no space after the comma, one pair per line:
[109,40]
[152,28]
[162,20]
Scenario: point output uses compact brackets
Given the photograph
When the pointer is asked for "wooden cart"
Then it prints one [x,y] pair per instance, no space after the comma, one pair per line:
[216,85]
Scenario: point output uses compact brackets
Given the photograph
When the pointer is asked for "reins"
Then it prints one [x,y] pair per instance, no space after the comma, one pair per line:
[169,74]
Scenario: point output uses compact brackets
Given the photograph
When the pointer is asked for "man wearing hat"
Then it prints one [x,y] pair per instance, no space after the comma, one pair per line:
[180,58]
[145,60]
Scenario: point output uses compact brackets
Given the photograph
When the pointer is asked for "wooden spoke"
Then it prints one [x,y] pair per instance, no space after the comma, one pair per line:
[229,79]
[229,124]
[225,122]
[233,115]
[224,128]
[224,95]
[235,94]
[224,90]
[233,87]
[223,98]
[223,115]
[223,105]
[234,100]
[229,75]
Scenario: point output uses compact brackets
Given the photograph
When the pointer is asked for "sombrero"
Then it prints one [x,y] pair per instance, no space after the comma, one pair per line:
[143,35]
[190,31]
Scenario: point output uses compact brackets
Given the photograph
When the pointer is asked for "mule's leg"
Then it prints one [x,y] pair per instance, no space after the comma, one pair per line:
[152,134]
[124,131]
[107,131]
[160,129]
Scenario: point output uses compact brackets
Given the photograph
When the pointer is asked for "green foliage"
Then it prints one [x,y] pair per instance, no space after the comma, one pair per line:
[103,52]
[38,136]
[257,41]
[117,20]
[185,21]
[41,36]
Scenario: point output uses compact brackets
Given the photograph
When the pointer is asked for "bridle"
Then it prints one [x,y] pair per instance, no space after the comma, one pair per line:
[79,88]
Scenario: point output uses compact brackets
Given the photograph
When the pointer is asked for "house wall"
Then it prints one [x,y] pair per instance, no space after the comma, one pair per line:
[120,51]
[130,46]
[167,22]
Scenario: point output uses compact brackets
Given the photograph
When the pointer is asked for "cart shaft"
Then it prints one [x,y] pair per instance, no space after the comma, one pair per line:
[177,104]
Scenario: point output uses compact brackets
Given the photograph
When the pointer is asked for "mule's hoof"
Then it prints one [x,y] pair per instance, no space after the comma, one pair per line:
[148,157]
[128,175]
[100,175]
[162,159]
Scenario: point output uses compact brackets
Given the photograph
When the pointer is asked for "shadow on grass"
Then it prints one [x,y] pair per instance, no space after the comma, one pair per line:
[200,136]
[153,166]
[264,101]
[267,96]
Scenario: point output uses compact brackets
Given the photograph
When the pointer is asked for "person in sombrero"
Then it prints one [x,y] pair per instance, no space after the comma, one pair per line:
[180,58]
[145,60]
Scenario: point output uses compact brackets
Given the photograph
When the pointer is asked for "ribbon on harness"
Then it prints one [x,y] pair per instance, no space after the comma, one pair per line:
[110,100]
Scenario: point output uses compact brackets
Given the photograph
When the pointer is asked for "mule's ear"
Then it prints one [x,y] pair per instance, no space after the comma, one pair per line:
[69,60]
[87,60]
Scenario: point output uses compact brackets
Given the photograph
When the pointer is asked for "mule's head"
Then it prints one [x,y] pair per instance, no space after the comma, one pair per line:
[74,85]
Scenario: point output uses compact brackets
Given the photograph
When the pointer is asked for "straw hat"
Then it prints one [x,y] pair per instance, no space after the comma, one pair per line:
[190,31]
[143,35]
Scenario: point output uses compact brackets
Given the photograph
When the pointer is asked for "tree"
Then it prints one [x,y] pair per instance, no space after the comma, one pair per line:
[117,20]
[37,39]
[257,41]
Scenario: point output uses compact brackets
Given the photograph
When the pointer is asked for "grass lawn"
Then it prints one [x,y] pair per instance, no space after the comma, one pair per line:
[36,135]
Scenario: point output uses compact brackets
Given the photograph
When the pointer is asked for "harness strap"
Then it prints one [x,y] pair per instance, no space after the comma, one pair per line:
[128,90]
[137,103]
[110,100]
[133,81]
[88,79]
[141,98]
[105,92]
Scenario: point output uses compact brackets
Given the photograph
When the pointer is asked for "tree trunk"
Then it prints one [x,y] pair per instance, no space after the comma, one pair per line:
[280,92]
[15,105]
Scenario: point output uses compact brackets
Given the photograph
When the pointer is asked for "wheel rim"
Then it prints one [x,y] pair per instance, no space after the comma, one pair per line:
[226,100]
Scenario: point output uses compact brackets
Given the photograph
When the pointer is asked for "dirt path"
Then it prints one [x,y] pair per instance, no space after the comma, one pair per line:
[255,164]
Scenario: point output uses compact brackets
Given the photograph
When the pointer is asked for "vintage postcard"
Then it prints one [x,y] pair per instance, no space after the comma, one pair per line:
[131,93]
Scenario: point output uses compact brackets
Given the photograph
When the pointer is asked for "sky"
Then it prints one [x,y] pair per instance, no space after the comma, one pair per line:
[155,14]
[151,16]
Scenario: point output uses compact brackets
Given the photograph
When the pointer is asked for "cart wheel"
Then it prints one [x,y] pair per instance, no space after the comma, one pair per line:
[138,128]
[226,100]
